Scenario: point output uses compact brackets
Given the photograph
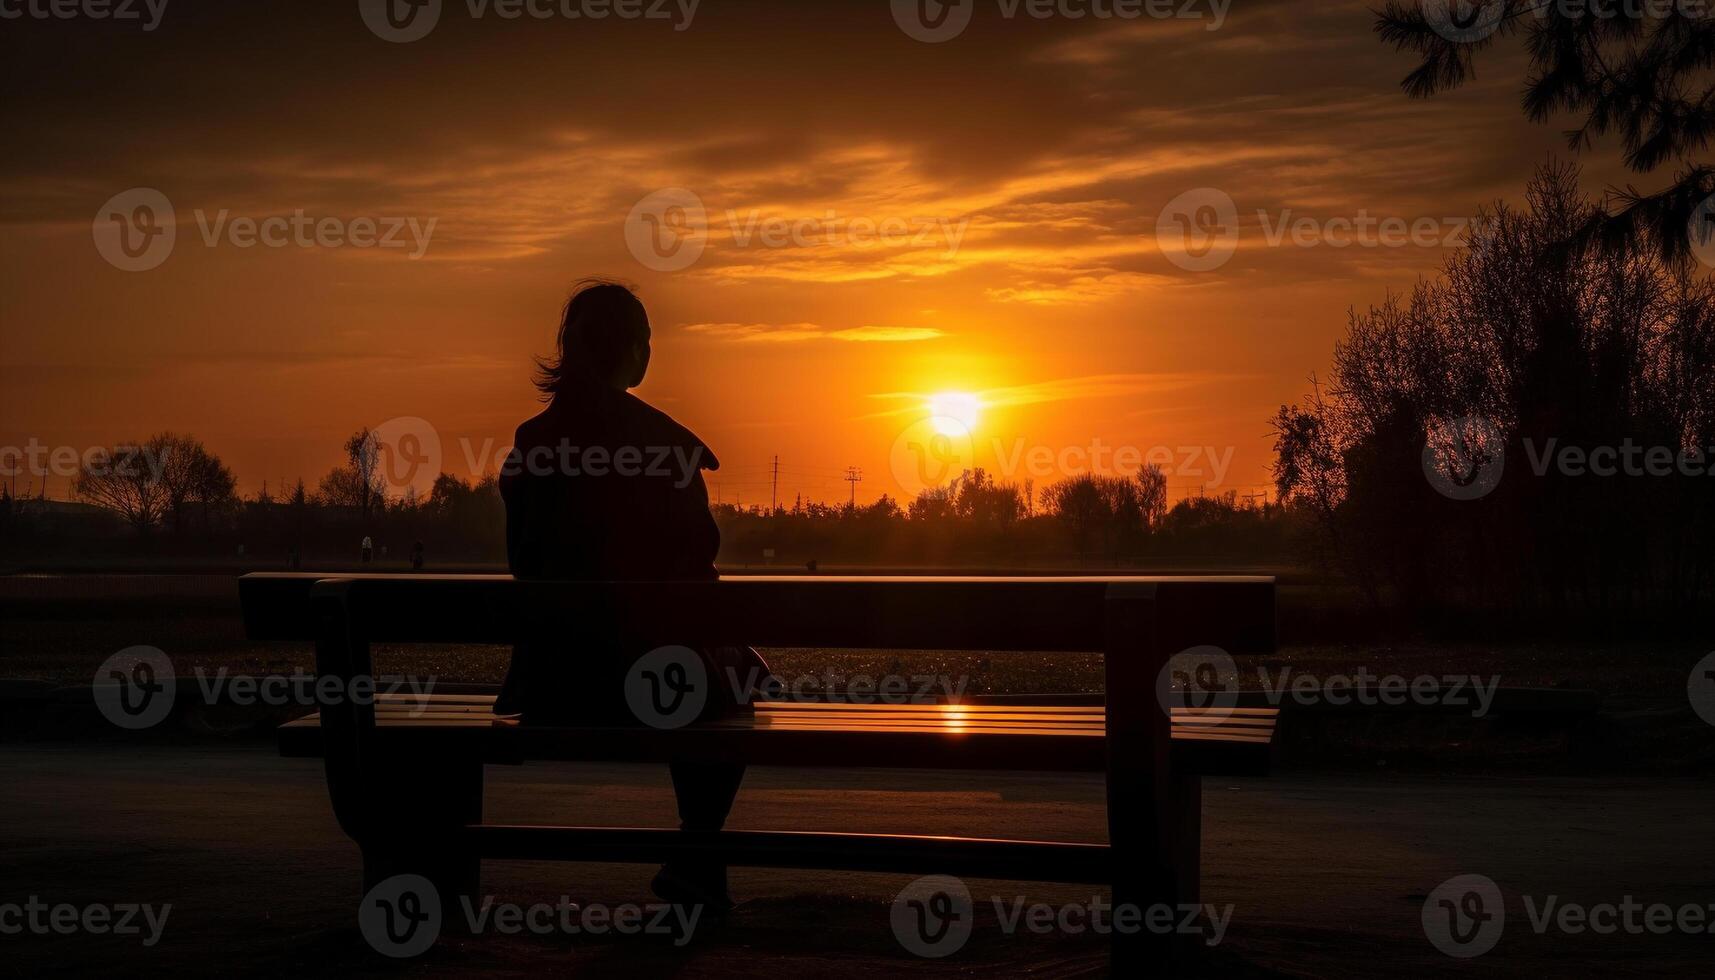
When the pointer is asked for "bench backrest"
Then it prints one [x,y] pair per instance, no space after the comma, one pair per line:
[1068,613]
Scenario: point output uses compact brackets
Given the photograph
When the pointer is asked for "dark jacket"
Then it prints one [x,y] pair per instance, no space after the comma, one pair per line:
[601,487]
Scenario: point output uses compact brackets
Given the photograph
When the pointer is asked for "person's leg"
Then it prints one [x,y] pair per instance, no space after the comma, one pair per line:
[705,792]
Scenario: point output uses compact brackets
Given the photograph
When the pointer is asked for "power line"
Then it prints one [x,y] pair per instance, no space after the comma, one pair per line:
[854,475]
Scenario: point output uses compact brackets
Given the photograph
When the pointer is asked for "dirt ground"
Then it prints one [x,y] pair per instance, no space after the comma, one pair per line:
[1326,873]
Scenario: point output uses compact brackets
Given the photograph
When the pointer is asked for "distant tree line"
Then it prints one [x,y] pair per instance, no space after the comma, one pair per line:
[1091,519]
[178,498]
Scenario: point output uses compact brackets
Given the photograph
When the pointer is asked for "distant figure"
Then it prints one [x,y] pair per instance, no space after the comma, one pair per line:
[292,560]
[576,510]
[417,556]
[368,549]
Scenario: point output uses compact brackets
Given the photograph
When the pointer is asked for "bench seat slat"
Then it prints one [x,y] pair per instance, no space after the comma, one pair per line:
[971,736]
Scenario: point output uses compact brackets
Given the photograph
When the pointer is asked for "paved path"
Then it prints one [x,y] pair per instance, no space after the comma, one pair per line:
[1327,873]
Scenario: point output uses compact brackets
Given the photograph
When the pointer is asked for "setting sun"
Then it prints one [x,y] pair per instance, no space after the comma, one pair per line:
[954,413]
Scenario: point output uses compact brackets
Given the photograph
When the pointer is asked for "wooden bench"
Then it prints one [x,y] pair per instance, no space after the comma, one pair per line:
[406,781]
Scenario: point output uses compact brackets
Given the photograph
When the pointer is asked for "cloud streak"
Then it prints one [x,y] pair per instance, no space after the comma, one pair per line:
[794,333]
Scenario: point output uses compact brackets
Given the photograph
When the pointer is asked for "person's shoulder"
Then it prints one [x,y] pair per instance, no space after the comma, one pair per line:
[534,430]
[664,430]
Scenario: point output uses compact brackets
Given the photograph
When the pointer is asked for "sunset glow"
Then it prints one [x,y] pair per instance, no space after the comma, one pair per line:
[955,413]
[819,269]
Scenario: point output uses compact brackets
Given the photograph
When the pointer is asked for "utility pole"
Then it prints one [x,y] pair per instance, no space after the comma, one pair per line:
[854,475]
[774,487]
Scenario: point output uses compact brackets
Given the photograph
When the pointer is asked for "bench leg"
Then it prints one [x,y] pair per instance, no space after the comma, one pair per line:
[1188,836]
[1143,820]
[416,826]
[1154,813]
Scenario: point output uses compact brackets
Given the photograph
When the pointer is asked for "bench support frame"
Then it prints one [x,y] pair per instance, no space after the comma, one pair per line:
[424,816]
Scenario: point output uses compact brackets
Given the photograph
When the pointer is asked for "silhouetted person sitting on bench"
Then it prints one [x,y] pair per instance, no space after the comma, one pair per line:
[601,486]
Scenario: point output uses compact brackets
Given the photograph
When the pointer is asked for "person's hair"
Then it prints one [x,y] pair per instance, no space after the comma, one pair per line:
[597,326]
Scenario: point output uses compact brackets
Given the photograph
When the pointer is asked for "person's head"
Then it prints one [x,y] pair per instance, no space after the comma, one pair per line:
[604,340]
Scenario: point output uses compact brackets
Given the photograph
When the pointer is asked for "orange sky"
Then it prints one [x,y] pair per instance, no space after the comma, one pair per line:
[1034,156]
